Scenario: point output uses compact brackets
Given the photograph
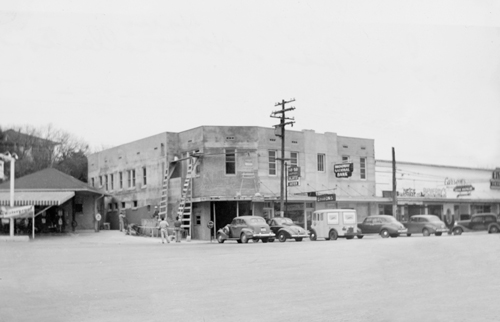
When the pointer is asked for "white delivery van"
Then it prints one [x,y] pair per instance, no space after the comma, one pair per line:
[333,223]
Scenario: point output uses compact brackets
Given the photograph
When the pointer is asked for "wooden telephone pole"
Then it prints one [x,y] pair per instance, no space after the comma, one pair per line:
[281,126]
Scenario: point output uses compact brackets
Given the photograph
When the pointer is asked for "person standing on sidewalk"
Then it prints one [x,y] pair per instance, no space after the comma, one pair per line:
[121,216]
[177,229]
[164,231]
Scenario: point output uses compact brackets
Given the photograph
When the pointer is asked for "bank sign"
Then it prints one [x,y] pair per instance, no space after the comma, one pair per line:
[343,170]
[293,176]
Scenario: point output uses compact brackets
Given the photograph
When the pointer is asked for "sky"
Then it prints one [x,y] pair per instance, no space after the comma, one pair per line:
[422,77]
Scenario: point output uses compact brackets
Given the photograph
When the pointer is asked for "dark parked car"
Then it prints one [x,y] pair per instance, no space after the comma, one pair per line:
[384,225]
[244,228]
[478,222]
[426,225]
[284,228]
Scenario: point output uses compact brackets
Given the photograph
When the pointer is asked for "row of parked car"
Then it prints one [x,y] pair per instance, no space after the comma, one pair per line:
[333,223]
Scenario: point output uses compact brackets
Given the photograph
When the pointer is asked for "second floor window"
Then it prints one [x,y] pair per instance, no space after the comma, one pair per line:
[100,181]
[144,176]
[272,162]
[362,168]
[93,182]
[106,180]
[230,161]
[294,158]
[121,179]
[321,162]
[111,181]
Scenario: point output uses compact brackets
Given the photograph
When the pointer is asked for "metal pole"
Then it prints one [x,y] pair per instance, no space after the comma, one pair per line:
[282,202]
[215,221]
[394,190]
[286,188]
[12,178]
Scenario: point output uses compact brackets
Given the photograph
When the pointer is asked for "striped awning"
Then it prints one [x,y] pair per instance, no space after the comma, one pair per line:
[36,198]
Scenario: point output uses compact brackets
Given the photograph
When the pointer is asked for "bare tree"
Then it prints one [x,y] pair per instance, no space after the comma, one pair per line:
[45,147]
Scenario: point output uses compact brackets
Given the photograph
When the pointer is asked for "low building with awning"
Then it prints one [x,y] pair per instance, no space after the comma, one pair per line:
[53,195]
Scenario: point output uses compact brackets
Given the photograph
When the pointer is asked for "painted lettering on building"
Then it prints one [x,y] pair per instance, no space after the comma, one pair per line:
[450,182]
[426,192]
[434,192]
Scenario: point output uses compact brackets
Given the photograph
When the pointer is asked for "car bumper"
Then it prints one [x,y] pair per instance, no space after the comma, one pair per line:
[402,231]
[263,235]
[299,236]
[441,230]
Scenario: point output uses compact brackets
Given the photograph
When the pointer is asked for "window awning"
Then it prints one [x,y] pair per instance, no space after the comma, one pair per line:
[36,198]
[17,212]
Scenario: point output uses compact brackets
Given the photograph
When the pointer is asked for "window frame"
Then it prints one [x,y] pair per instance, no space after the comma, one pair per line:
[228,163]
[321,162]
[362,168]
[272,164]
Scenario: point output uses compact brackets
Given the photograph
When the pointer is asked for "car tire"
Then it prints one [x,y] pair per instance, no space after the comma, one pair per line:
[313,236]
[349,237]
[265,240]
[394,235]
[457,231]
[271,240]
[408,235]
[426,232]
[332,235]
[360,236]
[493,230]
[220,239]
[438,234]
[255,240]
[282,236]
[244,238]
[384,233]
[298,239]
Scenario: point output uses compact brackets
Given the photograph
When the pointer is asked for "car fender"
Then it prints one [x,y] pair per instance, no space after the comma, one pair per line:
[223,233]
[389,228]
[493,224]
[247,232]
[287,231]
[462,227]
[431,229]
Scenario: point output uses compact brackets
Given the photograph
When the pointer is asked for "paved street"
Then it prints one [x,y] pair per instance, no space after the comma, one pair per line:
[113,277]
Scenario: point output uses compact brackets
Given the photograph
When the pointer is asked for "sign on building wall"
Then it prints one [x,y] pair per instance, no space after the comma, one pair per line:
[343,170]
[293,176]
[2,175]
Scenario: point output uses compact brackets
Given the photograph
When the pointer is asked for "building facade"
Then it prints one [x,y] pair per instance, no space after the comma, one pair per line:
[232,171]
[438,190]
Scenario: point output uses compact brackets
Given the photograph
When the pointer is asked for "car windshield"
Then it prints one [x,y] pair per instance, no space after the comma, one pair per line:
[257,220]
[284,221]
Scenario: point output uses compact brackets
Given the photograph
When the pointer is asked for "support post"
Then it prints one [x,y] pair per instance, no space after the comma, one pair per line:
[394,190]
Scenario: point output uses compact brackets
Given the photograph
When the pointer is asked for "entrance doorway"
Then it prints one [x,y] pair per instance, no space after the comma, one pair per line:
[225,211]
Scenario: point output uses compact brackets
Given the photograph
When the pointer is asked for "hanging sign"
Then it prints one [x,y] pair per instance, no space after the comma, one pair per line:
[343,170]
[328,197]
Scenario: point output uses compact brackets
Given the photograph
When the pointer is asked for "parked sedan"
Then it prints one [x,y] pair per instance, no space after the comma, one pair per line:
[384,225]
[244,228]
[426,225]
[284,228]
[478,222]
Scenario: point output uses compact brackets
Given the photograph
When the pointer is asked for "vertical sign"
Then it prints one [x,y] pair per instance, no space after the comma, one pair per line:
[2,176]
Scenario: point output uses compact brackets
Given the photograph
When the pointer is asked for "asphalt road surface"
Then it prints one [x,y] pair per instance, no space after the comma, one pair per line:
[109,276]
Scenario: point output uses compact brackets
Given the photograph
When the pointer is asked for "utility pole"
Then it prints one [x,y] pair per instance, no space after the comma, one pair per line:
[281,127]
[394,190]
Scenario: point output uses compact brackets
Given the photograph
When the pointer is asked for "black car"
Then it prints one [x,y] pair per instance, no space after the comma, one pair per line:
[478,222]
[284,228]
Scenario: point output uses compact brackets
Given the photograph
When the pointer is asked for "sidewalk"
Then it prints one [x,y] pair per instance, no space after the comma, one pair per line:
[103,237]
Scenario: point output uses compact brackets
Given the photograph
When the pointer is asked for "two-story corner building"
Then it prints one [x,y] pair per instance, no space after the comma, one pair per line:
[438,190]
[214,173]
